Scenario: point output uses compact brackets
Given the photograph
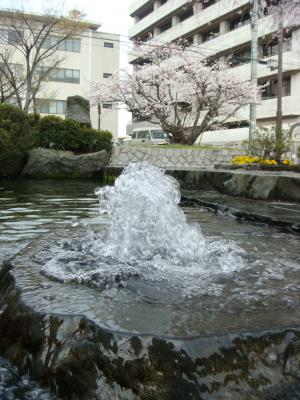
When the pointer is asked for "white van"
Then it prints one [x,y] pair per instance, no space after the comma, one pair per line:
[149,136]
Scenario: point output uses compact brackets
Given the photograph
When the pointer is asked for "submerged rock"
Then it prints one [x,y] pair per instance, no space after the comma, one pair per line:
[77,358]
[12,163]
[261,185]
[45,163]
[14,386]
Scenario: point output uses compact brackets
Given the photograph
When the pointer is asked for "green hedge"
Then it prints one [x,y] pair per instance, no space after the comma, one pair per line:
[20,132]
[60,134]
[16,129]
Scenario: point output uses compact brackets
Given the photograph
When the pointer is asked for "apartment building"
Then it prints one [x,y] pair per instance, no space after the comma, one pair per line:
[92,56]
[221,28]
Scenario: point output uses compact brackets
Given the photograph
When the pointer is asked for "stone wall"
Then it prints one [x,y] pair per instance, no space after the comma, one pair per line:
[170,157]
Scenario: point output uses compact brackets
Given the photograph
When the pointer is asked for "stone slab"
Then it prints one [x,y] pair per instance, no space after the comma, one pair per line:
[284,215]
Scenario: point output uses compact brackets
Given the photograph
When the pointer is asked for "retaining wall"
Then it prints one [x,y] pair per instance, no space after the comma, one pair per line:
[169,157]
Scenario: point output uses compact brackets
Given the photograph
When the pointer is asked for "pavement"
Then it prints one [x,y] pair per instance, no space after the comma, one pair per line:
[282,214]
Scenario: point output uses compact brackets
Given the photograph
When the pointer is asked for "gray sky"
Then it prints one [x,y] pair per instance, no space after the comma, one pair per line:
[112,14]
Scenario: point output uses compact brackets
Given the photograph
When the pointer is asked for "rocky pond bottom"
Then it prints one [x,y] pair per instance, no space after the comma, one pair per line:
[133,330]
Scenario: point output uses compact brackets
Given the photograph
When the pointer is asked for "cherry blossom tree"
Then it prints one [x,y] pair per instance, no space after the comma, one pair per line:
[283,16]
[289,10]
[179,89]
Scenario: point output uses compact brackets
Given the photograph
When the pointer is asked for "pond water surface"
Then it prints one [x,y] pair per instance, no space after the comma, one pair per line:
[29,209]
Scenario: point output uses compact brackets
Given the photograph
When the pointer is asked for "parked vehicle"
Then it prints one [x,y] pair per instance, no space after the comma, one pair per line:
[121,141]
[149,136]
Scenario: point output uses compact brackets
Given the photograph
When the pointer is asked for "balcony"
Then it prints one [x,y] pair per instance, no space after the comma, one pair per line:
[266,109]
[291,64]
[229,40]
[155,17]
[136,5]
[211,13]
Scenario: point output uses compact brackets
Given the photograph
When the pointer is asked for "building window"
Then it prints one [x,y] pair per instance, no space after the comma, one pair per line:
[9,36]
[107,105]
[271,49]
[146,12]
[239,57]
[106,75]
[108,45]
[12,100]
[270,91]
[64,75]
[187,14]
[208,3]
[72,45]
[51,106]
[240,20]
[145,38]
[164,27]
[187,41]
[211,34]
[17,69]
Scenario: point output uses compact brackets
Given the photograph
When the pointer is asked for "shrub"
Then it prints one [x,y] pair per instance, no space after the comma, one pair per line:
[264,144]
[93,140]
[57,133]
[298,152]
[16,129]
[63,134]
[4,139]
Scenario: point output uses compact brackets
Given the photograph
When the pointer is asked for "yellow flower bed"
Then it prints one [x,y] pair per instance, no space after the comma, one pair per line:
[241,160]
[244,160]
[287,162]
[268,162]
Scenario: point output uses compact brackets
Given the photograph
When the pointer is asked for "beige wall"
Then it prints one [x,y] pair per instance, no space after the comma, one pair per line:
[93,60]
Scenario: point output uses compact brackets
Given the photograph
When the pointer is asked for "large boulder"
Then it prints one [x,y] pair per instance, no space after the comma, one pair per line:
[253,186]
[12,164]
[45,163]
[78,109]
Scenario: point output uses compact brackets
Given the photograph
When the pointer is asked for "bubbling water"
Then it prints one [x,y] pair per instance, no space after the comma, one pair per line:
[147,238]
[145,219]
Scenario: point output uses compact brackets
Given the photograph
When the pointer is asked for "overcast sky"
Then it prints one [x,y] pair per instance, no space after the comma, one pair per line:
[112,14]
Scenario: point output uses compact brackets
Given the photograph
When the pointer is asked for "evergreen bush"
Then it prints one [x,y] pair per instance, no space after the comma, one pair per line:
[20,132]
[16,129]
[63,134]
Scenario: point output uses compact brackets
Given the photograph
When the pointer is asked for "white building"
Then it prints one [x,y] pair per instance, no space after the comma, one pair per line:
[222,28]
[92,56]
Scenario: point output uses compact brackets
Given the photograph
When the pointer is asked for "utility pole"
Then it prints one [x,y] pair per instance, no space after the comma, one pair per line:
[254,58]
[99,115]
[279,86]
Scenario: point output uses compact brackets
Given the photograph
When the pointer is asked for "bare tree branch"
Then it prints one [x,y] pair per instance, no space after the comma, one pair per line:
[30,40]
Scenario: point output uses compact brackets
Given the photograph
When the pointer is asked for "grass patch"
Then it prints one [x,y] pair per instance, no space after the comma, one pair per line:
[187,147]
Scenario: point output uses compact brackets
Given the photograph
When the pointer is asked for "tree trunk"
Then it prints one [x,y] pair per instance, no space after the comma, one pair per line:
[99,116]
